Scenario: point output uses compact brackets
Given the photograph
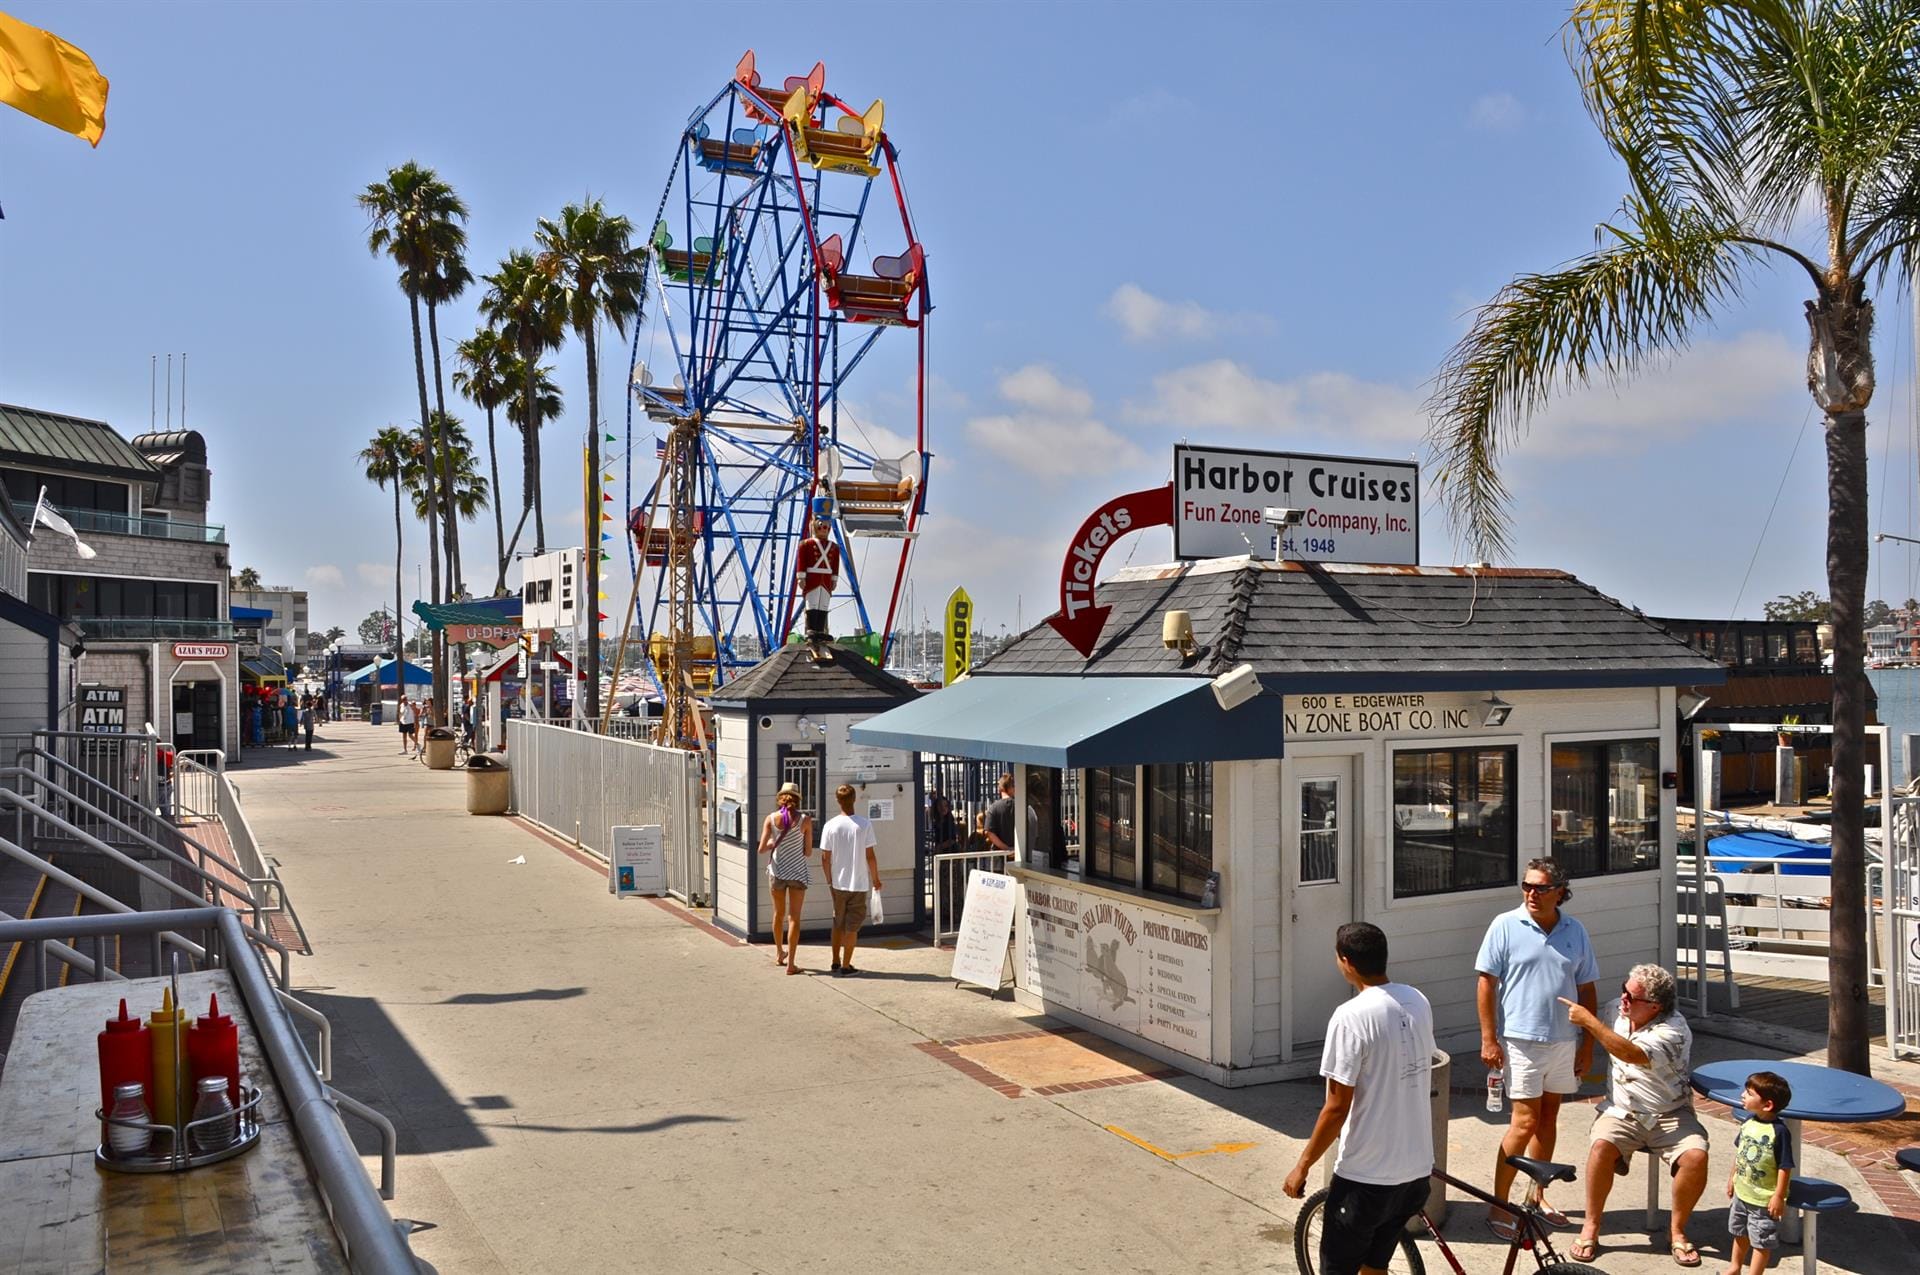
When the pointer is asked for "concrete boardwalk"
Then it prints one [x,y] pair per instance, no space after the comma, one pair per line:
[588,1085]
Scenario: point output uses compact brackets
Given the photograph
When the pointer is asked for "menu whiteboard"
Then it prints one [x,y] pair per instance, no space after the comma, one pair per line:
[986,926]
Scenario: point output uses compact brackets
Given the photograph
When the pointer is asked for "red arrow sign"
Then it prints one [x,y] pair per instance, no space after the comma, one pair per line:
[1080,619]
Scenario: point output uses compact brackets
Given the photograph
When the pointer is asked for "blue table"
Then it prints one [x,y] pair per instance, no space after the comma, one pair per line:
[1820,1094]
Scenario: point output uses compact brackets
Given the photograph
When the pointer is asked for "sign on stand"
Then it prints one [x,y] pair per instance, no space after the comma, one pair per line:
[986,927]
[638,864]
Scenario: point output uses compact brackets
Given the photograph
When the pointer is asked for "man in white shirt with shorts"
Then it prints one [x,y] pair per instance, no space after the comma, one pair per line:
[1378,1061]
[846,856]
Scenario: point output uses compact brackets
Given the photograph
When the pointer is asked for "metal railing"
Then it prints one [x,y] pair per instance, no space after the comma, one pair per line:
[374,1243]
[153,628]
[196,776]
[123,763]
[262,875]
[113,524]
[582,785]
[950,887]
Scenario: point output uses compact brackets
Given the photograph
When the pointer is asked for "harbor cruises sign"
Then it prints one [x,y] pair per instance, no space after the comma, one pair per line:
[1352,509]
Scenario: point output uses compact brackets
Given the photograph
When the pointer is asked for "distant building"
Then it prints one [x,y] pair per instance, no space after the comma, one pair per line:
[36,660]
[150,606]
[286,629]
[1887,642]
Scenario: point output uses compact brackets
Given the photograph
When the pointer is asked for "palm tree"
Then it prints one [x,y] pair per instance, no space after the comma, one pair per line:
[448,279]
[466,495]
[387,459]
[484,358]
[248,580]
[413,217]
[592,256]
[523,303]
[1736,123]
[547,403]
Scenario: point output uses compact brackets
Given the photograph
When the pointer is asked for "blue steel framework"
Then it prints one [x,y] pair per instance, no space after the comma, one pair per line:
[759,361]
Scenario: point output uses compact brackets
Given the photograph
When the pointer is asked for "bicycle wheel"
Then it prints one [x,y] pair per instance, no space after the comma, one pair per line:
[1570,1268]
[1306,1241]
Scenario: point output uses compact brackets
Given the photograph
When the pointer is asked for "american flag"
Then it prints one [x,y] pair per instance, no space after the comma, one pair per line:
[659,447]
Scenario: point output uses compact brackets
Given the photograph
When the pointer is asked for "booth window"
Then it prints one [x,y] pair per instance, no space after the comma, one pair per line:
[1606,803]
[1110,851]
[1046,830]
[1179,818]
[1453,824]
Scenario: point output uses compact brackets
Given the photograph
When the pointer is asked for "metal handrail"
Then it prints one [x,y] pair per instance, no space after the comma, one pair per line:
[143,749]
[48,785]
[152,817]
[324,1067]
[259,937]
[33,862]
[373,1242]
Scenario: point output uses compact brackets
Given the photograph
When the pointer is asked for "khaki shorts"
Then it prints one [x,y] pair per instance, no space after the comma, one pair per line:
[849,909]
[1672,1134]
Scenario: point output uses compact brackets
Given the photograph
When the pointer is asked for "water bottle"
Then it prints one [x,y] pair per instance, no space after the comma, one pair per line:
[1496,1090]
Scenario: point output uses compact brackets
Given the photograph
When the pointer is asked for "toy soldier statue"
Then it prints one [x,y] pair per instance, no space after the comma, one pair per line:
[818,563]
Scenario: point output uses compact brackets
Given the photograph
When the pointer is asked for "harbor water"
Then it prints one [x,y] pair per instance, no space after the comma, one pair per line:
[1898,690]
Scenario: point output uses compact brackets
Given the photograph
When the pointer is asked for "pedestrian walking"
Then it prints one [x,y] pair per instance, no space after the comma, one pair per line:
[847,860]
[290,719]
[1531,958]
[307,716]
[406,725]
[1378,1061]
[787,835]
[1649,1106]
[1000,818]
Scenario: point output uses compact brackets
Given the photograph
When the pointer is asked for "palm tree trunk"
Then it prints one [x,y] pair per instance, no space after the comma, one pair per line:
[433,496]
[499,526]
[399,578]
[592,522]
[531,358]
[1840,376]
[456,577]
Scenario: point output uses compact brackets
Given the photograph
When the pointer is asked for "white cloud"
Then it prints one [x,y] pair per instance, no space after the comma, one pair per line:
[1496,113]
[1144,317]
[1052,432]
[325,576]
[1223,394]
[1755,376]
[378,573]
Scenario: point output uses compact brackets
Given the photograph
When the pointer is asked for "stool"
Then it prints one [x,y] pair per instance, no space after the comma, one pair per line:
[1908,1158]
[1812,1197]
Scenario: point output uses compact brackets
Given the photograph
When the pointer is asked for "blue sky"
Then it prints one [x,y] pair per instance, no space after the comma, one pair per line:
[1252,226]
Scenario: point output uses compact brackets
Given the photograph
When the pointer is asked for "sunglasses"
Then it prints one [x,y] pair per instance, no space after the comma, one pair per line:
[1629,998]
[1537,887]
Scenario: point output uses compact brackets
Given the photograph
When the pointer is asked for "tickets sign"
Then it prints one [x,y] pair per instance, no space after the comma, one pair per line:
[1351,509]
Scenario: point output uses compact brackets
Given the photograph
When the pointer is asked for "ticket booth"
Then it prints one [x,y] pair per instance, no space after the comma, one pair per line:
[1328,744]
[790,720]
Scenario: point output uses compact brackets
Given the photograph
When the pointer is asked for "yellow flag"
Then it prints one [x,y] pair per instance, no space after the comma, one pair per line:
[959,640]
[51,80]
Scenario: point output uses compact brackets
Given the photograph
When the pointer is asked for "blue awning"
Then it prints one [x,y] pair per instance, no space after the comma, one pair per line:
[250,615]
[1076,722]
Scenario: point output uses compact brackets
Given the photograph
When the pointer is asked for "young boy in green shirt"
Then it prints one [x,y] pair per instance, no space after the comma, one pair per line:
[1762,1166]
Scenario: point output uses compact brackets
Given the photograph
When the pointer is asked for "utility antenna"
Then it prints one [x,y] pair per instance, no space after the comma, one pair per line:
[153,389]
[183,389]
[169,391]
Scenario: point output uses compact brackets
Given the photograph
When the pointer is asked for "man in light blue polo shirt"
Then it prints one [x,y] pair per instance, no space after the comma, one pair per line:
[1530,958]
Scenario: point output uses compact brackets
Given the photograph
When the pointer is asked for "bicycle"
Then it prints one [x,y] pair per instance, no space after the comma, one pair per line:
[1531,1232]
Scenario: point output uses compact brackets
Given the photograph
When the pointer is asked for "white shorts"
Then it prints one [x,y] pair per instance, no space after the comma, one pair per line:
[1536,1067]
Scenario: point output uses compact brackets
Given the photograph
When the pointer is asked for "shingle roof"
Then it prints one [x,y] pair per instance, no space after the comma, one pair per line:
[1313,626]
[33,437]
[790,674]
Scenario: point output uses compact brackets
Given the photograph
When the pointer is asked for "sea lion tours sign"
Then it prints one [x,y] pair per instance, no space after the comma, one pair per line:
[1353,509]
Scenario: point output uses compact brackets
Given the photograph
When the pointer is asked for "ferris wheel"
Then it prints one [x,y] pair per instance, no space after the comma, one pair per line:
[759,320]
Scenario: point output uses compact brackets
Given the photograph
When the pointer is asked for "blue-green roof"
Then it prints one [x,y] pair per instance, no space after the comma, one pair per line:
[52,440]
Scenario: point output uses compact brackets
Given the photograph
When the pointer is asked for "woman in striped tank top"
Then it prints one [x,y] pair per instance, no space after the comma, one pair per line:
[787,835]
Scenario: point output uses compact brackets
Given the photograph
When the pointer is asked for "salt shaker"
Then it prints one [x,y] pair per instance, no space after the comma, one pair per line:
[128,1140]
[217,1134]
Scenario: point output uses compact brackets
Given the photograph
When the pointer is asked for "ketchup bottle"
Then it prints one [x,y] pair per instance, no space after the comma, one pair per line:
[169,1061]
[126,1058]
[213,1049]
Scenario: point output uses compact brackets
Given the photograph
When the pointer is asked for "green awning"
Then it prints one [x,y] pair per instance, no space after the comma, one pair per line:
[1076,722]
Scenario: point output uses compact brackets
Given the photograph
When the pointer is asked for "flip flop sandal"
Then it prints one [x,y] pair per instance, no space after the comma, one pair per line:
[1548,1214]
[1684,1253]
[1505,1228]
[1584,1250]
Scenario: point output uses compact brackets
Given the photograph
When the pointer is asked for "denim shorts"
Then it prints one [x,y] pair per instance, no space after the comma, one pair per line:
[1754,1222]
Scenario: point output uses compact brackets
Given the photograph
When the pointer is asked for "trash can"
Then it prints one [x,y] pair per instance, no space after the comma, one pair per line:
[439,748]
[374,719]
[488,790]
[1439,1095]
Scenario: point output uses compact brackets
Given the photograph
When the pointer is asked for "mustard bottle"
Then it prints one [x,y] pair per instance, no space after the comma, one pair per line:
[170,1077]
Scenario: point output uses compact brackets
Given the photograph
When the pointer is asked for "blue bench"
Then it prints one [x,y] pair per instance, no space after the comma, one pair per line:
[1812,1197]
[1908,1158]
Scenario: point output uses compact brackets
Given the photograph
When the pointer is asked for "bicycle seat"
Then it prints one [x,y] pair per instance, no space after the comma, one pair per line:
[1542,1171]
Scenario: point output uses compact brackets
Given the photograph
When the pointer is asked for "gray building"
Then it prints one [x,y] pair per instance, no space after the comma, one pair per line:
[150,606]
[36,662]
[286,631]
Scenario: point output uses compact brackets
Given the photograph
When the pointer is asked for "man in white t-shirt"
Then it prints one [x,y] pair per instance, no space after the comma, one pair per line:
[846,856]
[1378,1062]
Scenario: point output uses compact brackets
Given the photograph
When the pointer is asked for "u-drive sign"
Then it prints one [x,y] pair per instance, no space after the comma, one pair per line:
[1353,509]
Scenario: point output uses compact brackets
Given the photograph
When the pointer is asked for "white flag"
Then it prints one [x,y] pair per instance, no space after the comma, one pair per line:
[43,513]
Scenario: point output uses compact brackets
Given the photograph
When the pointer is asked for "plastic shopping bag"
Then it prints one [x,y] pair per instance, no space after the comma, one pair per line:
[876,910]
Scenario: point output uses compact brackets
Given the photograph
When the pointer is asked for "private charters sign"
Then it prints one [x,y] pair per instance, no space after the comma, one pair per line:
[1352,509]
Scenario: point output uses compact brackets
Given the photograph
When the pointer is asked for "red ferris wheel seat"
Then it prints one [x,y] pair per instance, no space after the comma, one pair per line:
[880,297]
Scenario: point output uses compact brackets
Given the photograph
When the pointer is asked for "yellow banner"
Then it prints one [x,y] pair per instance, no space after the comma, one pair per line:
[959,636]
[51,80]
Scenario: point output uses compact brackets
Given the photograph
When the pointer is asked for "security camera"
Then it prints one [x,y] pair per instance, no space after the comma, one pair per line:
[1280,516]
[1235,687]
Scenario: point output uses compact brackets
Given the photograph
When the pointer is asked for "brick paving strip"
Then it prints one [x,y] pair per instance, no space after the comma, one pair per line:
[946,1052]
[599,867]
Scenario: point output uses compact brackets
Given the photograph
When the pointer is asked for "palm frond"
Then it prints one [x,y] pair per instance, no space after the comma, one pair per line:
[1604,315]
